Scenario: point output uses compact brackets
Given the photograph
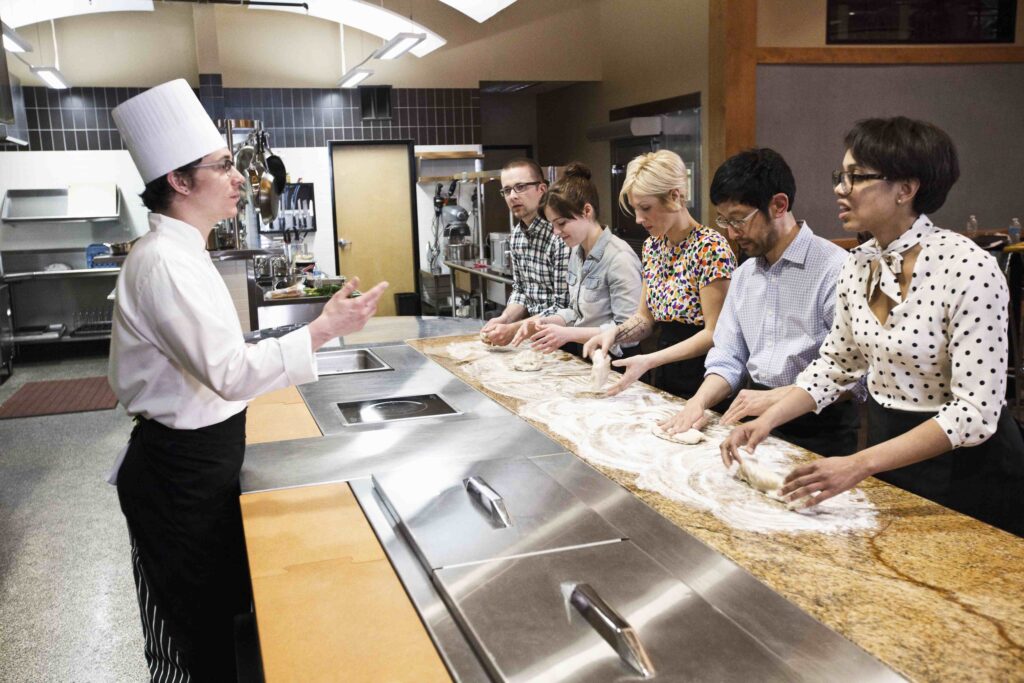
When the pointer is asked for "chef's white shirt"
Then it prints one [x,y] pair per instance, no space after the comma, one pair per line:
[177,354]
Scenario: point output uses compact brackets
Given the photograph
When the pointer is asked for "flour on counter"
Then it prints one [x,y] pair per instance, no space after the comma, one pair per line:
[696,477]
[617,432]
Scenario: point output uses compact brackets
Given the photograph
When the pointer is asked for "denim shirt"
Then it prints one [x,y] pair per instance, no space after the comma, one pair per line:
[603,287]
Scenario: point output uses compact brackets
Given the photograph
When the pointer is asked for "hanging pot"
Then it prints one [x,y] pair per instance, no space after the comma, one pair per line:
[276,167]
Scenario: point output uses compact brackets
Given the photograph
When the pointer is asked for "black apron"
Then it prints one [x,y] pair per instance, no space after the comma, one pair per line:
[681,378]
[179,493]
[984,481]
[833,431]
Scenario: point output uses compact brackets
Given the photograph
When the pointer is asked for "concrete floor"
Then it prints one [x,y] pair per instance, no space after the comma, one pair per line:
[67,600]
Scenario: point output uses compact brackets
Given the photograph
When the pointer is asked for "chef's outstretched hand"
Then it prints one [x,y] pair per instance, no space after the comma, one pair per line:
[344,315]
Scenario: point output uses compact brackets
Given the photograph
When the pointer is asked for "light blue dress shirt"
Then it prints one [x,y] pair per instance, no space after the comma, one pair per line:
[776,317]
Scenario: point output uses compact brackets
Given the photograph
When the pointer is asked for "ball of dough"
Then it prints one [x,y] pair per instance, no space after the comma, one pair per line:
[690,437]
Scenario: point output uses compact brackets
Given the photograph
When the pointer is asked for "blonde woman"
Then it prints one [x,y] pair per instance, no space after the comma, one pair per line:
[686,271]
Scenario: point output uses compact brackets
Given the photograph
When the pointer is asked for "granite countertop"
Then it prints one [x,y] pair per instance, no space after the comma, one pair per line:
[931,593]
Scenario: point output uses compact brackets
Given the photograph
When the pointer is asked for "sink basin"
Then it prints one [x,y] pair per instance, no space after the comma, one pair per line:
[395,408]
[348,361]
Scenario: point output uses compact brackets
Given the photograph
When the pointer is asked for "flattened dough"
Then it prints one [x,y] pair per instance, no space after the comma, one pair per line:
[602,365]
[528,361]
[690,437]
[759,478]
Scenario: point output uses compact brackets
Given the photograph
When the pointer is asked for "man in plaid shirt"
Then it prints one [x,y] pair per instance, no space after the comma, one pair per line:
[539,259]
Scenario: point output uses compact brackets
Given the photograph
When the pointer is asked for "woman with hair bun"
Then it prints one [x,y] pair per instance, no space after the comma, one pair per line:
[603,274]
[686,271]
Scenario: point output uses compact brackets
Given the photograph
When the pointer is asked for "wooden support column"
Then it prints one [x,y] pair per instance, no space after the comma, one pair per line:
[732,59]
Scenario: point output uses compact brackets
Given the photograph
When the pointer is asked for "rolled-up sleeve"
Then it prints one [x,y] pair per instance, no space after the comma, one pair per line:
[977,356]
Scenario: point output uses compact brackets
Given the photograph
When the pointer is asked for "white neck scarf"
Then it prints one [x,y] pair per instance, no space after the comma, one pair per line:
[890,260]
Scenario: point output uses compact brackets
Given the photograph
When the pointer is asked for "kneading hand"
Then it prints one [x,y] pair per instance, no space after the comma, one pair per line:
[751,403]
[550,337]
[690,417]
[501,334]
[601,340]
[745,436]
[342,315]
[526,328]
[635,368]
[826,477]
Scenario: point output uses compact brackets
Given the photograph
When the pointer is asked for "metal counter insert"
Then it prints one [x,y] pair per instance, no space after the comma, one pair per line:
[394,409]
[348,361]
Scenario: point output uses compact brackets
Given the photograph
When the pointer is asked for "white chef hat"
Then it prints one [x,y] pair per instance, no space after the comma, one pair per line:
[165,128]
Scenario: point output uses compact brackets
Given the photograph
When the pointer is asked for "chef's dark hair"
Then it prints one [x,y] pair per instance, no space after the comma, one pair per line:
[752,178]
[905,149]
[528,163]
[571,193]
[158,192]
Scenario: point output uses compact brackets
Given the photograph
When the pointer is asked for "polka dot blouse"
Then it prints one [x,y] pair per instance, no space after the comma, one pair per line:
[675,273]
[942,349]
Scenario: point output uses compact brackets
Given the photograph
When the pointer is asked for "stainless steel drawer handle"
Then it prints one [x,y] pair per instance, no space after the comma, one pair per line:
[480,491]
[612,627]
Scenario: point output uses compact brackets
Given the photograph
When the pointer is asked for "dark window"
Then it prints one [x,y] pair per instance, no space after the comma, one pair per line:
[852,22]
[375,102]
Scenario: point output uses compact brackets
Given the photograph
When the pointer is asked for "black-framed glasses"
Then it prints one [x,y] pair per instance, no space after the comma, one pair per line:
[224,165]
[737,224]
[518,188]
[845,180]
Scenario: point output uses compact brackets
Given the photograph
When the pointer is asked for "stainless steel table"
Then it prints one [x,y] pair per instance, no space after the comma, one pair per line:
[483,273]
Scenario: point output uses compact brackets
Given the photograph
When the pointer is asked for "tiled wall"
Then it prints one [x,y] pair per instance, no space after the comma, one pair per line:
[79,118]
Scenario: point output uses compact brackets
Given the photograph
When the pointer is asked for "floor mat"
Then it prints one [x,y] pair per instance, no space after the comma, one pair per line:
[59,396]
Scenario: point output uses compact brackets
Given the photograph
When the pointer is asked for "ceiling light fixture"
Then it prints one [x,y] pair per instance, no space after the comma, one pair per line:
[13,42]
[354,77]
[479,10]
[52,76]
[399,45]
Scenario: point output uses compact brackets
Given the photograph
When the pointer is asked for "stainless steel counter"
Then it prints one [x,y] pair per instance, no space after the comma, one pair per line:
[396,329]
[797,646]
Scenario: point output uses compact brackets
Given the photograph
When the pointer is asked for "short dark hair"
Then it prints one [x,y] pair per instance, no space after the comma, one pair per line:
[904,149]
[571,193]
[528,163]
[158,192]
[752,178]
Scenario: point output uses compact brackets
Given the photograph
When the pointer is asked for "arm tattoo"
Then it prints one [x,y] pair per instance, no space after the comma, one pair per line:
[633,330]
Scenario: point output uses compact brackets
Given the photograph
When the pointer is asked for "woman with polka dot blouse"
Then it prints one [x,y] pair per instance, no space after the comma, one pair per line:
[686,271]
[922,312]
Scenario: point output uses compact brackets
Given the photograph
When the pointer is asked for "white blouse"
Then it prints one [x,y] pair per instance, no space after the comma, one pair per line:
[176,352]
[942,349]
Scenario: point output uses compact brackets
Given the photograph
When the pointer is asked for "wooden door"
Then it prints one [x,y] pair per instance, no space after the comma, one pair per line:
[374,215]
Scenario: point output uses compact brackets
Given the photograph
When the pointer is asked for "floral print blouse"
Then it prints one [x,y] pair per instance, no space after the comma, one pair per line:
[675,273]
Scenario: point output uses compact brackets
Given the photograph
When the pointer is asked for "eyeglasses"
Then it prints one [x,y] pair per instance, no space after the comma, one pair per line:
[737,225]
[845,180]
[224,165]
[518,188]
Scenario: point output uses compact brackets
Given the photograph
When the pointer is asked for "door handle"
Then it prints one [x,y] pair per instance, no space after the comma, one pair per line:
[616,631]
[480,491]
[342,243]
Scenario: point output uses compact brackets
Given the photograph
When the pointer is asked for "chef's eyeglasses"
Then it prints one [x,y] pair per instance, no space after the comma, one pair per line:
[735,224]
[845,180]
[224,165]
[518,188]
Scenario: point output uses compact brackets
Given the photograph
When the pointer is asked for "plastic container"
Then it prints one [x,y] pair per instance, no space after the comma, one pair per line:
[1014,231]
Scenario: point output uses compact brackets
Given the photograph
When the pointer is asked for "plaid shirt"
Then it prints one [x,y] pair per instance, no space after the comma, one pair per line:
[539,263]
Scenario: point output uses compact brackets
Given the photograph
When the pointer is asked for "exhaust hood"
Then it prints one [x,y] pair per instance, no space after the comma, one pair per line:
[638,127]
